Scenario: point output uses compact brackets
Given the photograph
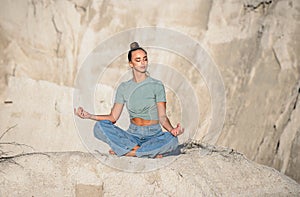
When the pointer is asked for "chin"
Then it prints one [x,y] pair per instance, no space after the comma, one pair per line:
[143,70]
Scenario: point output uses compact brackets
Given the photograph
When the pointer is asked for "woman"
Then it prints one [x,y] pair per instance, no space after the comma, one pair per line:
[145,100]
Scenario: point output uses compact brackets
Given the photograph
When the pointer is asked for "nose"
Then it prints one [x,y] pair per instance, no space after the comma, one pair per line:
[143,61]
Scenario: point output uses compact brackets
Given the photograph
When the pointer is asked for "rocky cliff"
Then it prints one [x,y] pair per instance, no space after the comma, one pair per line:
[254,45]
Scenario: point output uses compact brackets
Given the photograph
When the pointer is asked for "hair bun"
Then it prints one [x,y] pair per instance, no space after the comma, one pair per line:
[134,45]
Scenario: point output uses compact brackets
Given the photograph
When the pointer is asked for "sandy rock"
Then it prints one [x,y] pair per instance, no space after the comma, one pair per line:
[194,174]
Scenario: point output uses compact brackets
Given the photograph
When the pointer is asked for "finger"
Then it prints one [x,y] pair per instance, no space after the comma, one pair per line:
[173,132]
[77,112]
[81,111]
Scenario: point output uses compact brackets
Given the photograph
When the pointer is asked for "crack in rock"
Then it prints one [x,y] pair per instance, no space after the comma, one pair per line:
[257,4]
[59,36]
[80,9]
[258,148]
[33,3]
[296,100]
[207,149]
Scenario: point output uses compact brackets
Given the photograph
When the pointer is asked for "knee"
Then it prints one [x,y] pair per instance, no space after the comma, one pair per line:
[99,126]
[173,141]
[171,137]
[102,123]
[100,129]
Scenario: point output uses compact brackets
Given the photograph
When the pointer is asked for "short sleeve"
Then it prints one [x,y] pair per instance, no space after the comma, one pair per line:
[160,95]
[119,98]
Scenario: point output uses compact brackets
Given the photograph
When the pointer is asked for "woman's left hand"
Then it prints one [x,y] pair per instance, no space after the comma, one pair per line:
[177,130]
[80,112]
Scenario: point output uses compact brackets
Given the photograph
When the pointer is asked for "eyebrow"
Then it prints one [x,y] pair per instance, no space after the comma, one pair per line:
[140,57]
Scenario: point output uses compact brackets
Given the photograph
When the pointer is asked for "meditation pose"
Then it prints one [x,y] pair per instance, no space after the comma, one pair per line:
[145,101]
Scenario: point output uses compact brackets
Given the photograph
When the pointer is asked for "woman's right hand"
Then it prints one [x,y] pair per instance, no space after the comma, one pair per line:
[178,130]
[80,112]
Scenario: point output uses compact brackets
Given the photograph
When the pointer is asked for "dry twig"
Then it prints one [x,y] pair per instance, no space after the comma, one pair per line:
[4,155]
[5,132]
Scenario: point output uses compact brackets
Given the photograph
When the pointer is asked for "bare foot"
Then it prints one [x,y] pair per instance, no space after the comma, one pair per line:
[132,152]
[159,156]
[111,152]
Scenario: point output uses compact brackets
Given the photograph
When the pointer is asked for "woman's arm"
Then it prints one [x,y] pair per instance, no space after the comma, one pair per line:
[113,116]
[165,122]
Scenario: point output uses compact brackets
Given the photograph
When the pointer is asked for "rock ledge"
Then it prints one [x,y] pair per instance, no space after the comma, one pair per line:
[216,173]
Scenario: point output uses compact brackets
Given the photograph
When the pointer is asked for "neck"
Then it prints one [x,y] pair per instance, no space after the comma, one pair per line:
[138,77]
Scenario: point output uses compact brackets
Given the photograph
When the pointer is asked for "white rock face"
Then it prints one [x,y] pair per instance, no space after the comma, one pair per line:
[42,115]
[254,43]
[80,174]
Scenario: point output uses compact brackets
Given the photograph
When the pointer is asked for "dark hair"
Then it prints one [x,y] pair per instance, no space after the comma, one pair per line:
[134,47]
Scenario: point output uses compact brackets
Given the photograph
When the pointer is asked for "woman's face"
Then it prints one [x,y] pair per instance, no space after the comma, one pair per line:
[139,61]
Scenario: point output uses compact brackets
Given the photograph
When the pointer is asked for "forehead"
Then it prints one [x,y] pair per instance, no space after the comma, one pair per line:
[138,53]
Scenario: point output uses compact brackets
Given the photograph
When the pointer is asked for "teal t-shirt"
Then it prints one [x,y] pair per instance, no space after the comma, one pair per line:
[141,98]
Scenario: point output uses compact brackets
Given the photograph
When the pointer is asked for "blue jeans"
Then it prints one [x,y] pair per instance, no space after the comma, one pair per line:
[151,139]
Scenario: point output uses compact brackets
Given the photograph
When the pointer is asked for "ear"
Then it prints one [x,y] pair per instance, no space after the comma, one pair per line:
[130,64]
